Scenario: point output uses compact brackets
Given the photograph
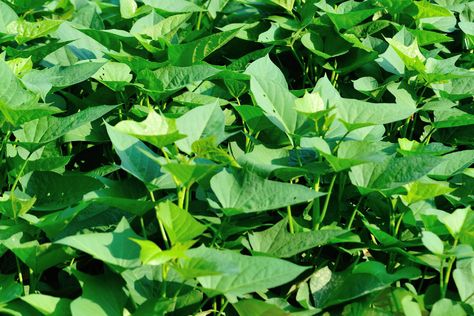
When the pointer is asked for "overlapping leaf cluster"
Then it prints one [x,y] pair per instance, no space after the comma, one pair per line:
[243,157]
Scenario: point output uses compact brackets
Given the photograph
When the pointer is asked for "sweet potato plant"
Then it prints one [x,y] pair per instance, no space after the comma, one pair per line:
[236,157]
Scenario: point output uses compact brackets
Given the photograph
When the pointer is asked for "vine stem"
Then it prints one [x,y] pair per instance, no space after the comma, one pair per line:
[290,220]
[447,276]
[356,209]
[20,275]
[15,184]
[290,217]
[316,207]
[160,224]
[198,26]
[142,224]
[326,202]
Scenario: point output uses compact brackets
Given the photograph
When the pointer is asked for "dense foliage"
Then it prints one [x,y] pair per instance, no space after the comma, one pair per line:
[236,157]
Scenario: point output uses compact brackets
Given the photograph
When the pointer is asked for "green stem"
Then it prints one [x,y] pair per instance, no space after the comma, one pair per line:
[290,220]
[181,197]
[142,224]
[340,141]
[160,224]
[426,139]
[198,26]
[223,306]
[186,200]
[316,210]
[326,202]
[15,184]
[20,275]
[447,277]
[441,278]
[356,209]
[397,226]
[290,217]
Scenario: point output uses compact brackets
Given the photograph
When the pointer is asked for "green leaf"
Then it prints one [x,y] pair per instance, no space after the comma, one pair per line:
[157,28]
[329,288]
[192,99]
[155,129]
[38,257]
[463,276]
[54,191]
[111,39]
[286,4]
[350,14]
[16,204]
[42,81]
[114,75]
[128,8]
[277,241]
[7,15]
[247,275]
[432,16]
[355,113]
[366,84]
[187,174]
[102,295]
[189,53]
[170,79]
[270,90]
[452,164]
[457,223]
[179,224]
[138,160]
[432,242]
[325,43]
[49,128]
[115,248]
[245,192]
[350,153]
[425,189]
[48,305]
[280,162]
[151,254]
[391,173]
[174,6]
[26,31]
[253,307]
[446,306]
[18,105]
[37,52]
[10,289]
[201,122]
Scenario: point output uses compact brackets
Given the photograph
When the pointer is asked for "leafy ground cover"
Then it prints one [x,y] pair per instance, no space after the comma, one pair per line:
[219,157]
